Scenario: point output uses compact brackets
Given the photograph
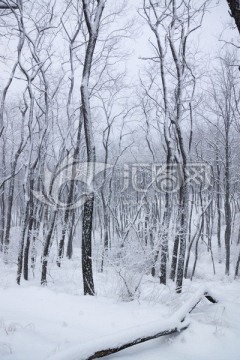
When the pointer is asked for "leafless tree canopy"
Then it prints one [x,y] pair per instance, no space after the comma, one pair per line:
[134,172]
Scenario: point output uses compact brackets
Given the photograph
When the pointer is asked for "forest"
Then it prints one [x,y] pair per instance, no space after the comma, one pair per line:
[119,179]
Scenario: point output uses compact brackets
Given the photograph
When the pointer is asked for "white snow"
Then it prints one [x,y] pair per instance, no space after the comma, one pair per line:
[59,323]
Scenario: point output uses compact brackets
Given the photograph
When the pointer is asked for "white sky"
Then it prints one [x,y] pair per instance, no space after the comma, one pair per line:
[216,22]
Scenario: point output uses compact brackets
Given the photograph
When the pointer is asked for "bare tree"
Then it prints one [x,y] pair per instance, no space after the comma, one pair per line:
[172,26]
[93,22]
[234,12]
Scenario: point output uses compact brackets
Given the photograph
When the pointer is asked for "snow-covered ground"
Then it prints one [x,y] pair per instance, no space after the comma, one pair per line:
[43,323]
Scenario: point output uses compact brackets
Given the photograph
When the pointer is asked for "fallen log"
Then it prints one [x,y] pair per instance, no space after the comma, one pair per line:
[137,335]
[210,298]
[107,352]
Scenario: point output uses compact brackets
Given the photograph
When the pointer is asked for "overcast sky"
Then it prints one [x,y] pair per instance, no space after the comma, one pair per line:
[216,21]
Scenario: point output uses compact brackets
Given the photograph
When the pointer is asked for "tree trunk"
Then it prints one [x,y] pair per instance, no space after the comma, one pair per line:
[235,12]
[88,283]
[30,229]
[46,249]
[227,205]
[93,29]
[21,243]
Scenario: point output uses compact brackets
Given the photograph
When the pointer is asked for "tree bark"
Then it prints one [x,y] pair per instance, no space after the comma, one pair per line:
[93,30]
[227,206]
[235,12]
[46,249]
[88,283]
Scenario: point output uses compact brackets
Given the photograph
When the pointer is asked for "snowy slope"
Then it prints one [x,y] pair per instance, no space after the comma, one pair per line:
[53,325]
